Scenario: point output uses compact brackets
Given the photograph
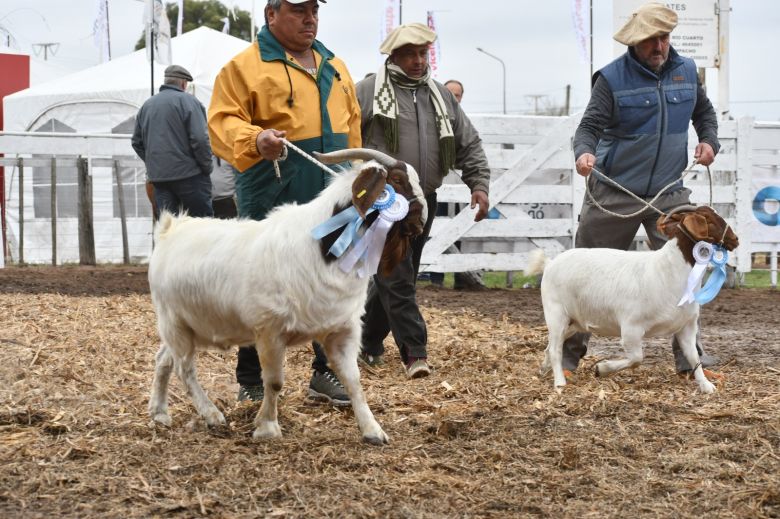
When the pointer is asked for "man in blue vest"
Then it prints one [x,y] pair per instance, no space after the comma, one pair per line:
[635,131]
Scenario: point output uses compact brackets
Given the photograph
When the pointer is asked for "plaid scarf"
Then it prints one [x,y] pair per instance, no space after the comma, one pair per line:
[385,108]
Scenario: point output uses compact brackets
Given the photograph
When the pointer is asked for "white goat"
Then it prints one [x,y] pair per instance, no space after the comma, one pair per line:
[631,295]
[218,283]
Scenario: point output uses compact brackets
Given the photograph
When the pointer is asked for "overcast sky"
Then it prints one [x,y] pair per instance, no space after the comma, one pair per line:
[536,41]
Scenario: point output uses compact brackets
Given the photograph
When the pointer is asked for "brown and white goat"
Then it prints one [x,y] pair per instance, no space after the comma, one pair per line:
[218,283]
[631,295]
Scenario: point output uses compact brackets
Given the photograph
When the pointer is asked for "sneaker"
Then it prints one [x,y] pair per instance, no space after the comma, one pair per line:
[417,367]
[326,387]
[371,360]
[253,393]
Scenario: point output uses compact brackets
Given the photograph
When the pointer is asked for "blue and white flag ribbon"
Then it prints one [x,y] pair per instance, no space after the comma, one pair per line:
[705,253]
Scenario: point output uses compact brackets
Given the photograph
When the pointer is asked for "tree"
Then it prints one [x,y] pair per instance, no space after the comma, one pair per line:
[206,13]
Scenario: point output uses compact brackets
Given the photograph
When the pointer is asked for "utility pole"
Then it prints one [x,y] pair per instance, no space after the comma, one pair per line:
[568,98]
[108,32]
[46,46]
[536,98]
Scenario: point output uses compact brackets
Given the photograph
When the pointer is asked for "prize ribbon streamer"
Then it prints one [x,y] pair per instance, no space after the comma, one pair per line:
[370,246]
[702,253]
[718,276]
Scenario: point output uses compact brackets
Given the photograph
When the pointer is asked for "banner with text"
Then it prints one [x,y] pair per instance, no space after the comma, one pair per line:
[434,52]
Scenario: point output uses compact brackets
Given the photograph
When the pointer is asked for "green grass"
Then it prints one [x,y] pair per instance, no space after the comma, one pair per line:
[754,279]
[757,279]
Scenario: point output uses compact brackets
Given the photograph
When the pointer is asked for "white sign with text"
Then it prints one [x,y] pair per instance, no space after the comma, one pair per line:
[696,34]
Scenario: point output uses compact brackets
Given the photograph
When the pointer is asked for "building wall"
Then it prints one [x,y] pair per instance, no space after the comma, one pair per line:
[15,77]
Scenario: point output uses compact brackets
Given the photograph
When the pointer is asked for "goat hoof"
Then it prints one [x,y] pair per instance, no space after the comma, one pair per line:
[377,440]
[162,419]
[267,431]
[596,370]
[215,419]
[707,388]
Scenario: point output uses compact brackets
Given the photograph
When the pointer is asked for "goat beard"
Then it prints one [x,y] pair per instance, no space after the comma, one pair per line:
[396,247]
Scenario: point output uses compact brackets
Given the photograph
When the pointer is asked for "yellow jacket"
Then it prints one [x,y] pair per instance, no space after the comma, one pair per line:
[263,87]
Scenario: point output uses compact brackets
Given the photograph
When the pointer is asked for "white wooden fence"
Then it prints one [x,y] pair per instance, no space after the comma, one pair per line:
[539,195]
[534,188]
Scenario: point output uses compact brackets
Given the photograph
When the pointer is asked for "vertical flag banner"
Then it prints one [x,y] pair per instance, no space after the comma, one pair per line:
[580,18]
[180,20]
[391,18]
[100,31]
[434,49]
[158,32]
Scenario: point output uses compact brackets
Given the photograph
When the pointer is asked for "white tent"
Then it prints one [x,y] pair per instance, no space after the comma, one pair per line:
[97,99]
[100,100]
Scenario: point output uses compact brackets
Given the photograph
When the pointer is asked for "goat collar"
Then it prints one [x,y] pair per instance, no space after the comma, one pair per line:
[705,253]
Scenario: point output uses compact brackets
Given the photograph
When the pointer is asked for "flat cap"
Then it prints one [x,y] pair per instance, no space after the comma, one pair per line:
[407,34]
[302,1]
[649,21]
[178,72]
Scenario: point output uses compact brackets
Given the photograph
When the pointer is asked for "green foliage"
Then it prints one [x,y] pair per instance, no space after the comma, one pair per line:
[206,13]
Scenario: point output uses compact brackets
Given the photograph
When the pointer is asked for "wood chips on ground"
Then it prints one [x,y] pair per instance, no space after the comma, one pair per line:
[483,436]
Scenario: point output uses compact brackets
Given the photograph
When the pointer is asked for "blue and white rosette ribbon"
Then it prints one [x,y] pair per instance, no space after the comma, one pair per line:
[717,277]
[369,249]
[705,253]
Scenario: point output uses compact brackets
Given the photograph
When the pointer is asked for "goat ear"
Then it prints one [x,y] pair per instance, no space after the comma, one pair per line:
[696,225]
[668,226]
[366,188]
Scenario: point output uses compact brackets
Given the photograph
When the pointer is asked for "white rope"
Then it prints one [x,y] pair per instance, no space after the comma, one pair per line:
[305,156]
[647,205]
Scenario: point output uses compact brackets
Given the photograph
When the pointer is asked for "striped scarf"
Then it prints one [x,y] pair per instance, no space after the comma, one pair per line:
[385,108]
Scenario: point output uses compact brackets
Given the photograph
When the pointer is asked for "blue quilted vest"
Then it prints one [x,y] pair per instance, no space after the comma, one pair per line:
[648,147]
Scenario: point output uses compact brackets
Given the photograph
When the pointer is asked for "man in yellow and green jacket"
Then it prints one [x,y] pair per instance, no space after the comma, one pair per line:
[286,85]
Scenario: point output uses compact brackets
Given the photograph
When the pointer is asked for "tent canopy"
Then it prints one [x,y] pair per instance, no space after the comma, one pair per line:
[101,98]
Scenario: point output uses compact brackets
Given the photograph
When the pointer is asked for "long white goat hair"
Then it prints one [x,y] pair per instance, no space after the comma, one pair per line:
[217,283]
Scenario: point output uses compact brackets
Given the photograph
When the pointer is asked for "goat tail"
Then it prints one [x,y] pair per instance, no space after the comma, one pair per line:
[163,225]
[537,261]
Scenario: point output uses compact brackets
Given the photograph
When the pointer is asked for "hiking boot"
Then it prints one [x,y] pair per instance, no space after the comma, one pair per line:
[253,393]
[371,361]
[326,387]
[417,367]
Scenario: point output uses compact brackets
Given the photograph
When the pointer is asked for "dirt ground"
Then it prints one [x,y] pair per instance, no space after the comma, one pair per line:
[483,436]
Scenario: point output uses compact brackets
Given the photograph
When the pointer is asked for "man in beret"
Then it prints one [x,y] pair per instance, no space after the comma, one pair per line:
[171,138]
[408,115]
[635,131]
[287,85]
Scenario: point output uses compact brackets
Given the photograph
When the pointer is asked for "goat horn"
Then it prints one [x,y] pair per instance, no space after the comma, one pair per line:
[686,207]
[334,157]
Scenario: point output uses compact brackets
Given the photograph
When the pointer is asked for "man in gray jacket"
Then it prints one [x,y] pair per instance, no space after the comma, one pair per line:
[408,115]
[172,139]
[635,131]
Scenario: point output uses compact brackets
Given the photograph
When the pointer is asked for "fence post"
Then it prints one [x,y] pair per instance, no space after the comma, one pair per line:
[743,198]
[86,223]
[54,211]
[20,165]
[120,193]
